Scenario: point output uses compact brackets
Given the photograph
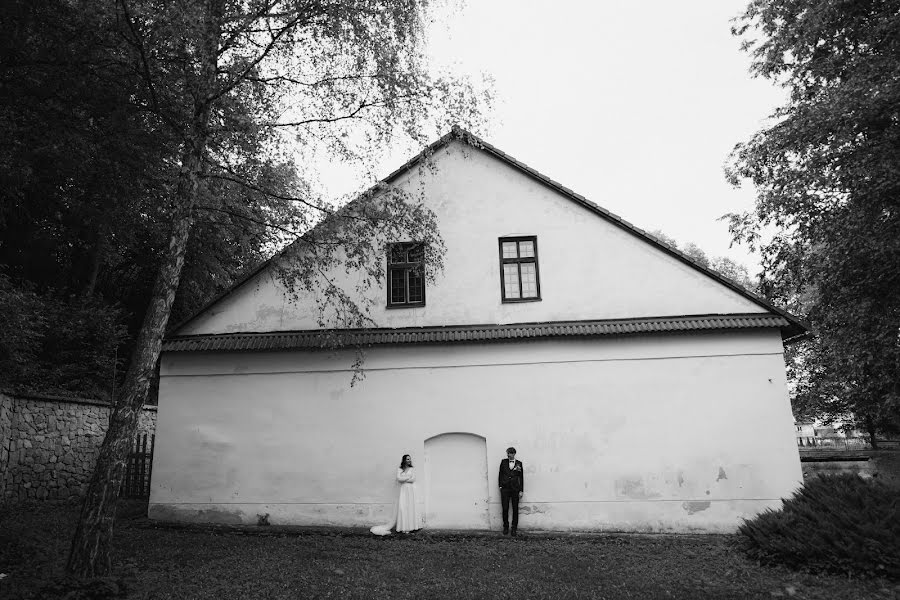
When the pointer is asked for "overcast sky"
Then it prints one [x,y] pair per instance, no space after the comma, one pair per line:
[634,105]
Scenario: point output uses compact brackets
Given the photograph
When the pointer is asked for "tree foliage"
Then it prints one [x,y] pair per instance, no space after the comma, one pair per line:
[160,148]
[69,345]
[96,103]
[827,214]
[722,265]
[73,158]
[83,216]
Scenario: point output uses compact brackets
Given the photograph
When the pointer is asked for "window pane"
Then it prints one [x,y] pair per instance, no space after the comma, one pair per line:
[398,286]
[526,249]
[398,253]
[416,253]
[416,286]
[509,250]
[511,281]
[529,281]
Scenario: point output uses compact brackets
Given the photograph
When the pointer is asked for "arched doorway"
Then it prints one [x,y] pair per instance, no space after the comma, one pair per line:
[456,484]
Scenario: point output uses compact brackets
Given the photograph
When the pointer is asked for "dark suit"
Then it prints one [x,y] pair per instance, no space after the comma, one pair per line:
[512,481]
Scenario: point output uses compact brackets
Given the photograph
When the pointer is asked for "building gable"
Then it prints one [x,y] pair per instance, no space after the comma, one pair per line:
[591,265]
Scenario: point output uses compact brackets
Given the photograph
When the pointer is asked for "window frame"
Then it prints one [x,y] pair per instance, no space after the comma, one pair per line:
[406,267]
[518,261]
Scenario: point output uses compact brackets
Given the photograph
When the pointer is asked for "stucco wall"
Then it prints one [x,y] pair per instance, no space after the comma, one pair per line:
[589,268]
[643,433]
[50,444]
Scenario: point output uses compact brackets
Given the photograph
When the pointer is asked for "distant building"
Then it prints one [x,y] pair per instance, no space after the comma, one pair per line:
[806,433]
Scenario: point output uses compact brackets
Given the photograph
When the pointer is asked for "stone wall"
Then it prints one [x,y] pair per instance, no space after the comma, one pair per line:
[5,437]
[49,445]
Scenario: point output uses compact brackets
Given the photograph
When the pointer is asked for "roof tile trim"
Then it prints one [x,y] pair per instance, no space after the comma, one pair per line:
[796,329]
[331,338]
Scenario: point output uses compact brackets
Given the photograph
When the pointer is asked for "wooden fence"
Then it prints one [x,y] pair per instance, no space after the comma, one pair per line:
[844,443]
[138,466]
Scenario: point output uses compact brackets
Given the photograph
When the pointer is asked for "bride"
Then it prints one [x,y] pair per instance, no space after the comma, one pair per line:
[407,515]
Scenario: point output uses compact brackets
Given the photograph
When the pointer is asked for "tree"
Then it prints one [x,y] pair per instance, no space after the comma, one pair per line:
[828,187]
[226,80]
[722,265]
[76,164]
[83,218]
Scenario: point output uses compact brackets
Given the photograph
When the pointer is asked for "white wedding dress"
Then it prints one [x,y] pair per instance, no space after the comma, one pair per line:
[406,511]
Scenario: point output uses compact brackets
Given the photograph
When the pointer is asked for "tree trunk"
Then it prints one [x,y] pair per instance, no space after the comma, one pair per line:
[89,555]
[870,428]
[90,552]
[96,259]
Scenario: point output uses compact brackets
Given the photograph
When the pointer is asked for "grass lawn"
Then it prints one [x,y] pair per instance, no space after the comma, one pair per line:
[163,562]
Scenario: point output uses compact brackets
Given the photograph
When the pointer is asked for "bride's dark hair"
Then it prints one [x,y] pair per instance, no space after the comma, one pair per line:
[403,460]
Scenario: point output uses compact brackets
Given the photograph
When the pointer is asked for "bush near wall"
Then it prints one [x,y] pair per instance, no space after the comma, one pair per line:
[65,346]
[836,523]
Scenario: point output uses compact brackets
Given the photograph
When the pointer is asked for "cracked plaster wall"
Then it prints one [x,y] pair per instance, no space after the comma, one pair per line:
[644,433]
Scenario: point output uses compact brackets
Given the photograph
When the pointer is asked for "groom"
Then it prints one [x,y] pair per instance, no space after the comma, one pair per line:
[512,484]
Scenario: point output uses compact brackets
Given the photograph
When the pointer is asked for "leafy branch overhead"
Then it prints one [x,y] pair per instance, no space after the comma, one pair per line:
[827,214]
[159,149]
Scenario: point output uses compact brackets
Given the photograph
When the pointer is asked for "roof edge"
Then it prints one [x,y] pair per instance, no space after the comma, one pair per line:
[455,132]
[797,330]
[800,328]
[333,338]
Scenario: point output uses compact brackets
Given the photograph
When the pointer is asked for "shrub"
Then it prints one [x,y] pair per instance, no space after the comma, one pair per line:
[838,523]
[57,345]
[24,322]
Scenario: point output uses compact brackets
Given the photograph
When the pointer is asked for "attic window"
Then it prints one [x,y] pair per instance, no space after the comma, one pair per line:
[406,275]
[519,281]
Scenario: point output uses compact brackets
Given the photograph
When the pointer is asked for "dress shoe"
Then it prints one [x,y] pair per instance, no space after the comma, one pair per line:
[505,531]
[512,533]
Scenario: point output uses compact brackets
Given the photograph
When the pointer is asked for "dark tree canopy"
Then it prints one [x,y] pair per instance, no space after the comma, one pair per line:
[159,149]
[83,216]
[96,106]
[828,186]
[78,170]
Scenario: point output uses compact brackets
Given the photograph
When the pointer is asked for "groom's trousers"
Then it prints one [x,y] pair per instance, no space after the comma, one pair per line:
[508,496]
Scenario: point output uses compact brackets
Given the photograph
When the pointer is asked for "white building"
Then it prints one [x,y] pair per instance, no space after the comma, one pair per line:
[642,391]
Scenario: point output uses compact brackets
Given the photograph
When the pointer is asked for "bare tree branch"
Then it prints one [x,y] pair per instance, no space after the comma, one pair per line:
[236,178]
[249,218]
[354,114]
[139,45]
[242,29]
[323,81]
[297,235]
[144,71]
[237,79]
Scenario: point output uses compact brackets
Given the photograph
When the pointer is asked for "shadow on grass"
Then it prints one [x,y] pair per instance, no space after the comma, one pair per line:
[202,563]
